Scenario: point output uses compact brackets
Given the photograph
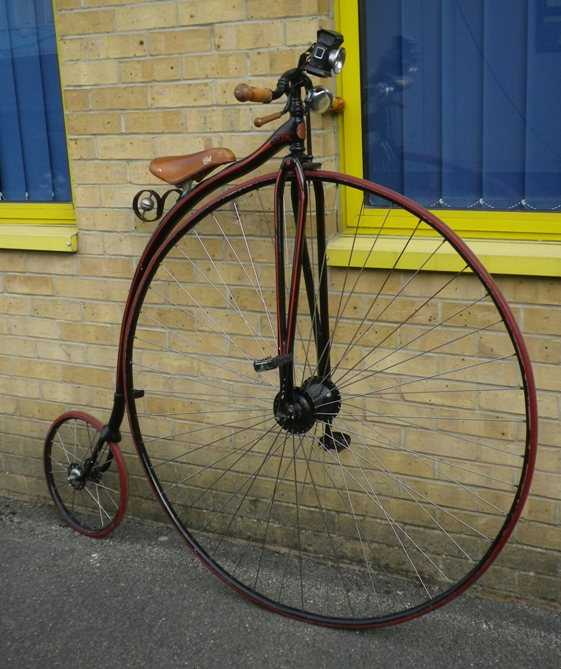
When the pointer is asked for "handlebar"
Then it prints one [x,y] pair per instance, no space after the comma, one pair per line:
[246,93]
[337,105]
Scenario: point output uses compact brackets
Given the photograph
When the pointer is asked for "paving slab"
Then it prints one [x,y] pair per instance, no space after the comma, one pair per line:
[141,599]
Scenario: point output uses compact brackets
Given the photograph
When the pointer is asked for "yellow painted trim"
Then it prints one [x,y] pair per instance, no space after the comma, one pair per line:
[348,87]
[12,213]
[498,256]
[476,224]
[490,224]
[62,238]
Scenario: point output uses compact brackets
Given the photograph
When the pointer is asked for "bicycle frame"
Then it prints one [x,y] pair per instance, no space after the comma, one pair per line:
[290,134]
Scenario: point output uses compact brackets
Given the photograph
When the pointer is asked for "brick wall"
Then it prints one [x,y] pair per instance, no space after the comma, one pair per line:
[143,79]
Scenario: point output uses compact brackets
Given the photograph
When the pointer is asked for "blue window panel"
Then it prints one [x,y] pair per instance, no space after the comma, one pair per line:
[462,107]
[33,158]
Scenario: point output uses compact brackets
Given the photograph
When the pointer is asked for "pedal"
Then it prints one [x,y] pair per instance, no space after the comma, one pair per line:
[266,364]
[335,441]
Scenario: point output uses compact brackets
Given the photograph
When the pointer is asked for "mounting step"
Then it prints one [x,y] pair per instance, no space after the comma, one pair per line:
[335,441]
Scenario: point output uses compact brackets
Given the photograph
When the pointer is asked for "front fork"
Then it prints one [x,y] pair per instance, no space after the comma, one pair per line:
[291,169]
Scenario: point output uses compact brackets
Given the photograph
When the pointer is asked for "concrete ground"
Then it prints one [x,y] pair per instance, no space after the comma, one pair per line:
[140,599]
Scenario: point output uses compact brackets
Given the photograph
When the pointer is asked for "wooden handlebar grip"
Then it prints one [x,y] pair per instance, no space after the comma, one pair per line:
[245,93]
[337,105]
[262,120]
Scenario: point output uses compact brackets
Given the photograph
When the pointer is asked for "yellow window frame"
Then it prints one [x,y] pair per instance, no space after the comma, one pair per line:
[525,243]
[39,226]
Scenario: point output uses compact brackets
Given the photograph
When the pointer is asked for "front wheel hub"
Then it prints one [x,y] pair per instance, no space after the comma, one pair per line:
[316,400]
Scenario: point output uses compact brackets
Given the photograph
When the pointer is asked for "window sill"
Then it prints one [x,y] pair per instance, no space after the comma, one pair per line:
[515,257]
[29,237]
[36,226]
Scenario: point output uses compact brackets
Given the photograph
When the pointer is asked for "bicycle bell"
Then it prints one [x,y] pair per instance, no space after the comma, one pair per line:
[319,99]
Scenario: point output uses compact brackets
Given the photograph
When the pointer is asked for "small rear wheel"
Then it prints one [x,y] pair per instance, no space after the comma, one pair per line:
[88,485]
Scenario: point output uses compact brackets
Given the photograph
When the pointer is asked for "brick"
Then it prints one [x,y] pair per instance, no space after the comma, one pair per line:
[80,23]
[153,69]
[216,65]
[272,62]
[119,97]
[114,267]
[89,376]
[34,285]
[548,377]
[99,172]
[65,351]
[530,290]
[93,123]
[155,121]
[82,148]
[14,304]
[248,35]
[256,9]
[124,46]
[103,3]
[129,244]
[87,196]
[60,309]
[68,4]
[90,244]
[103,289]
[225,119]
[12,261]
[17,346]
[102,312]
[91,73]
[138,174]
[88,48]
[90,333]
[41,410]
[117,196]
[30,368]
[179,41]
[303,31]
[105,219]
[542,321]
[126,146]
[538,587]
[76,100]
[69,49]
[150,15]
[14,387]
[180,95]
[210,11]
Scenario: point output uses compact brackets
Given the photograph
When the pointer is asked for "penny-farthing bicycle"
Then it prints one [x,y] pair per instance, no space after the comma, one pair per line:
[343,437]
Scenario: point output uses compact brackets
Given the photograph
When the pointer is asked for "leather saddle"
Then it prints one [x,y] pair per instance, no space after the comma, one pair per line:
[177,170]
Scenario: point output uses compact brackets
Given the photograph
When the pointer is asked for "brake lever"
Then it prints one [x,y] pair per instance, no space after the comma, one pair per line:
[262,120]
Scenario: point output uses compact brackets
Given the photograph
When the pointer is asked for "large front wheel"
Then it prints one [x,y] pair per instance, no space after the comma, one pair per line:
[412,456]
